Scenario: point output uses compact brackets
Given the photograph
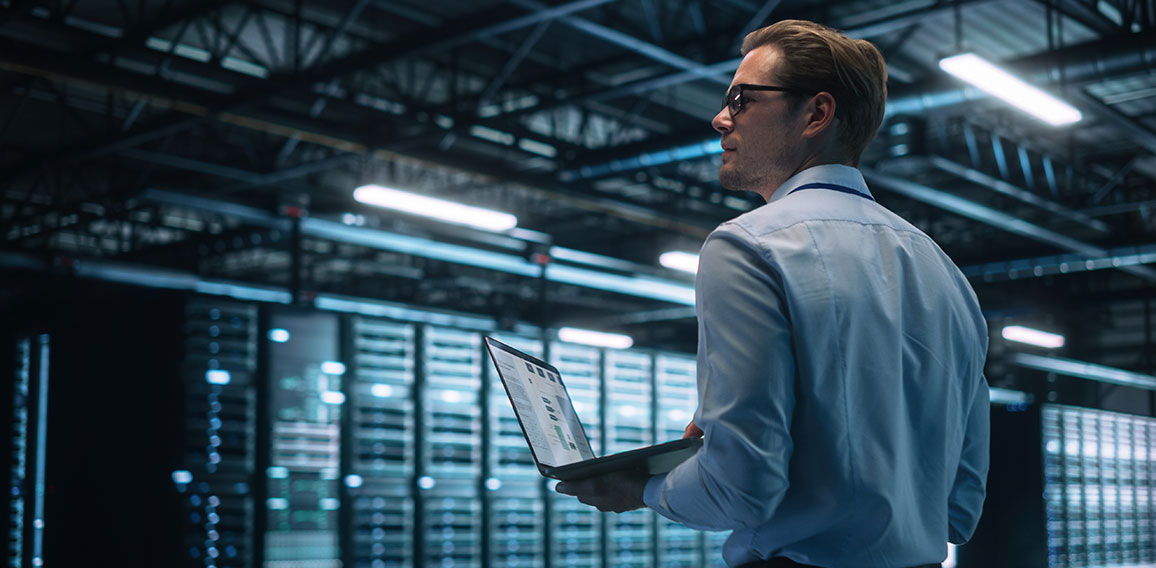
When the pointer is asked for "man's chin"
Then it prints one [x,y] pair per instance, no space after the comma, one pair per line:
[730,180]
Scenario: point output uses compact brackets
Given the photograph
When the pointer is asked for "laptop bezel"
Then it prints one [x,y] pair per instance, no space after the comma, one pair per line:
[544,470]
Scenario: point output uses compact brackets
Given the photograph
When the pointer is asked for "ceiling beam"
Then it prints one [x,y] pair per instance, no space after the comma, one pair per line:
[992,217]
[462,32]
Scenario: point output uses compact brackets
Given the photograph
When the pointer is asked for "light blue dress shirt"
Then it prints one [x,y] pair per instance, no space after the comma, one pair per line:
[840,383]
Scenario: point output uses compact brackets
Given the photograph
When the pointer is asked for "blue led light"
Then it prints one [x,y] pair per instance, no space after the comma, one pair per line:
[333,368]
[332,397]
[353,480]
[182,477]
[278,335]
[426,482]
[217,377]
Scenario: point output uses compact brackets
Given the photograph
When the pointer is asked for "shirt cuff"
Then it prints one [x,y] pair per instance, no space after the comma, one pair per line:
[652,495]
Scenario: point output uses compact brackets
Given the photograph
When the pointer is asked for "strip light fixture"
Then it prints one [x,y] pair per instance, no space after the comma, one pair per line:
[1084,370]
[678,260]
[1032,336]
[440,209]
[595,338]
[999,83]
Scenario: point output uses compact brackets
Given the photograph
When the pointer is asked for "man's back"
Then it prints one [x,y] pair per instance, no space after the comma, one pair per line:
[886,346]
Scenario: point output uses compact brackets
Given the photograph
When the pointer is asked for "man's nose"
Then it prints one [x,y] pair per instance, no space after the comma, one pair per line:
[722,121]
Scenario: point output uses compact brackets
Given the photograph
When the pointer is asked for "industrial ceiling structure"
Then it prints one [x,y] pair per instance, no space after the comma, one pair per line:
[215,145]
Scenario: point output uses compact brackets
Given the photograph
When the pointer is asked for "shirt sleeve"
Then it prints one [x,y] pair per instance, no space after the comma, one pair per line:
[965,503]
[746,394]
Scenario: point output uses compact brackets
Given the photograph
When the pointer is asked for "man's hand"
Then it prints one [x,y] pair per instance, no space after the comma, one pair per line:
[692,431]
[615,492]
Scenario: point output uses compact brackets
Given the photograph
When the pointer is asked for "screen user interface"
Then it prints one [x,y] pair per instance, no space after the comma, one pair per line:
[545,410]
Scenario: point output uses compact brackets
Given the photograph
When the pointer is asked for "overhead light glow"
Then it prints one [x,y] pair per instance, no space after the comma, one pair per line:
[436,208]
[678,260]
[999,83]
[595,338]
[333,367]
[381,391]
[332,397]
[1033,336]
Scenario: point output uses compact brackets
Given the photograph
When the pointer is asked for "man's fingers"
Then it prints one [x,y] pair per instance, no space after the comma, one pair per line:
[692,431]
[574,487]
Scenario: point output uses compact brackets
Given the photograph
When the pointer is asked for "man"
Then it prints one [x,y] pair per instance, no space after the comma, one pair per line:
[842,404]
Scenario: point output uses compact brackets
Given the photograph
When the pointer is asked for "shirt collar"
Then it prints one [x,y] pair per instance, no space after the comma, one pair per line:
[837,174]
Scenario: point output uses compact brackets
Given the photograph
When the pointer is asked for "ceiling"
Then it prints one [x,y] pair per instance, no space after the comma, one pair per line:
[221,140]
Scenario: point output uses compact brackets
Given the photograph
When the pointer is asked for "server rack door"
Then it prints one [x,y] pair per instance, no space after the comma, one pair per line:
[516,524]
[220,453]
[305,401]
[381,460]
[451,468]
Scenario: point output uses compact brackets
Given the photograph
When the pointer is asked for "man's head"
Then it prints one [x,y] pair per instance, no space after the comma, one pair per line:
[831,105]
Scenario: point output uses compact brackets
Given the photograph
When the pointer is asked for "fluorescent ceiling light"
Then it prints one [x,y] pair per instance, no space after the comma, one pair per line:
[436,208]
[1032,336]
[1008,396]
[677,260]
[999,83]
[595,338]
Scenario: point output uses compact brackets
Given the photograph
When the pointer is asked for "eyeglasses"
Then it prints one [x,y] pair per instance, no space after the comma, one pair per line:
[735,100]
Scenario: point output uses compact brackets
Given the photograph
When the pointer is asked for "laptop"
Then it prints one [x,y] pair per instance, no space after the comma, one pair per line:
[557,441]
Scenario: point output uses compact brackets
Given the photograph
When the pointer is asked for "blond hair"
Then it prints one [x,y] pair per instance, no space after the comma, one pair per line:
[818,58]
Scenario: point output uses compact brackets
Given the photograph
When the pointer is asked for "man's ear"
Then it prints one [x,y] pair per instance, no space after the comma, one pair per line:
[819,114]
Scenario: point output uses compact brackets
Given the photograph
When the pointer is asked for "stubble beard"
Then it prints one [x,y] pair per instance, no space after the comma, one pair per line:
[734,178]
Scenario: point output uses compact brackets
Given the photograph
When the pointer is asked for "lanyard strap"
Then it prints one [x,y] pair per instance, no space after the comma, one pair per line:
[840,188]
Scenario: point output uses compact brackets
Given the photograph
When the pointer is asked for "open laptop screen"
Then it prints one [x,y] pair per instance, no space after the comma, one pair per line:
[545,410]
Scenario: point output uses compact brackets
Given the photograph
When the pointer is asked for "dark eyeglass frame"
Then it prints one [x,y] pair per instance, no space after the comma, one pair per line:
[734,99]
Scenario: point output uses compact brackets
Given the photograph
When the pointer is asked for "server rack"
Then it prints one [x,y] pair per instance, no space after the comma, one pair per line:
[411,456]
[450,503]
[452,511]
[305,400]
[516,527]
[1084,498]
[1099,487]
[381,439]
[27,483]
[452,410]
[575,536]
[628,380]
[219,457]
[676,397]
